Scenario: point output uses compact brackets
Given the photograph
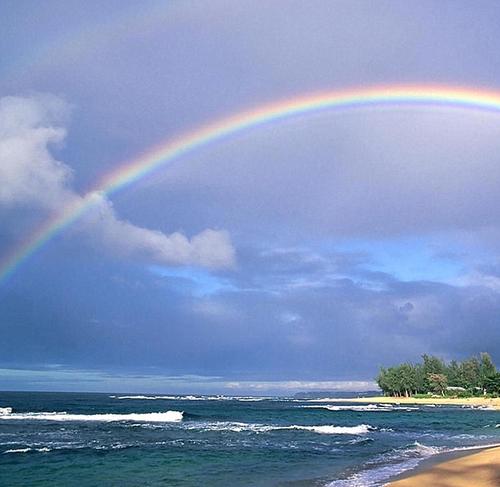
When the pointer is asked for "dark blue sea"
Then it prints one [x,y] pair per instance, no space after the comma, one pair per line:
[68,439]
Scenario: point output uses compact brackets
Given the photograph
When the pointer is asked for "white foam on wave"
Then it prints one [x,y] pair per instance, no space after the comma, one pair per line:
[252,399]
[18,450]
[360,429]
[424,450]
[26,450]
[481,407]
[194,398]
[233,426]
[163,417]
[5,411]
[238,427]
[330,407]
[367,408]
[475,447]
[149,398]
[380,470]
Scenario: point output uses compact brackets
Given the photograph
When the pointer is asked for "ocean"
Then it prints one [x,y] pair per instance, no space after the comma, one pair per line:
[77,439]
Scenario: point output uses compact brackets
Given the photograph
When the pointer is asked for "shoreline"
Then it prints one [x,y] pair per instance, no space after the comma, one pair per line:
[479,467]
[473,402]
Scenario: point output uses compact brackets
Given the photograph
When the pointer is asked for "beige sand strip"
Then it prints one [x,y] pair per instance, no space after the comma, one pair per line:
[480,469]
[478,402]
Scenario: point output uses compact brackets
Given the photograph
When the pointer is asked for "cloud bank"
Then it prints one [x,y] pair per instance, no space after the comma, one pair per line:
[31,177]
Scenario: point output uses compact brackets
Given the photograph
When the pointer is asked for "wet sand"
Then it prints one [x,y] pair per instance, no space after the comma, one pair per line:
[477,469]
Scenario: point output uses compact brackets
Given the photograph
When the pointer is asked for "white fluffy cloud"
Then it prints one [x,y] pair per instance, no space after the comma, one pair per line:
[209,248]
[31,176]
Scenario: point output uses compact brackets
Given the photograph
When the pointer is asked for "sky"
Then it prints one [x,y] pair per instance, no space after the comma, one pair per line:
[299,255]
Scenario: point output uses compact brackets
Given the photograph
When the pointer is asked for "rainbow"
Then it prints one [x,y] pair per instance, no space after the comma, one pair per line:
[69,44]
[162,155]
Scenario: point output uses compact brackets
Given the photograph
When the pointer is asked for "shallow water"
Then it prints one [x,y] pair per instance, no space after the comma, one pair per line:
[63,439]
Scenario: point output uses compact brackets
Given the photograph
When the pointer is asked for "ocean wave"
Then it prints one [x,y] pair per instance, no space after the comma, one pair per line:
[232,426]
[360,440]
[27,450]
[481,407]
[475,447]
[238,427]
[424,450]
[367,408]
[361,408]
[162,417]
[117,446]
[360,429]
[386,466]
[193,398]
[58,446]
[252,399]
[18,450]
[149,398]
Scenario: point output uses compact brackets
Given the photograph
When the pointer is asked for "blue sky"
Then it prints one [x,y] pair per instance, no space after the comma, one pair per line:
[303,254]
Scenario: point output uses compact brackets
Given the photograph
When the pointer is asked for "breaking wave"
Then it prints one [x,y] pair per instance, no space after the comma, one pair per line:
[194,398]
[154,398]
[27,450]
[337,430]
[386,466]
[263,428]
[163,417]
[368,408]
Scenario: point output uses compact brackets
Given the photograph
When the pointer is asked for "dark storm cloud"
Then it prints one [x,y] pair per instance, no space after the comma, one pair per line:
[325,329]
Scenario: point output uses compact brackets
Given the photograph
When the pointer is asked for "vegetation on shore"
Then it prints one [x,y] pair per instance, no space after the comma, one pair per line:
[476,376]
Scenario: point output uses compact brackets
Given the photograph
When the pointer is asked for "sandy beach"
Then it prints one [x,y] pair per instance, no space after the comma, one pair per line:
[443,401]
[481,469]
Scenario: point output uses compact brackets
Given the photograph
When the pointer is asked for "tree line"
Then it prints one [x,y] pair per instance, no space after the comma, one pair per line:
[472,377]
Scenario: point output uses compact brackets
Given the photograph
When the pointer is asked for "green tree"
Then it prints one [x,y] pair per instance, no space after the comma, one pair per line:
[453,374]
[434,375]
[382,381]
[407,378]
[470,374]
[487,369]
[419,379]
[395,380]
[387,381]
[431,365]
[438,383]
[492,384]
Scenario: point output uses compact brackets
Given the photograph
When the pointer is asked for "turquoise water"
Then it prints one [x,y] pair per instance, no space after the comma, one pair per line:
[66,439]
